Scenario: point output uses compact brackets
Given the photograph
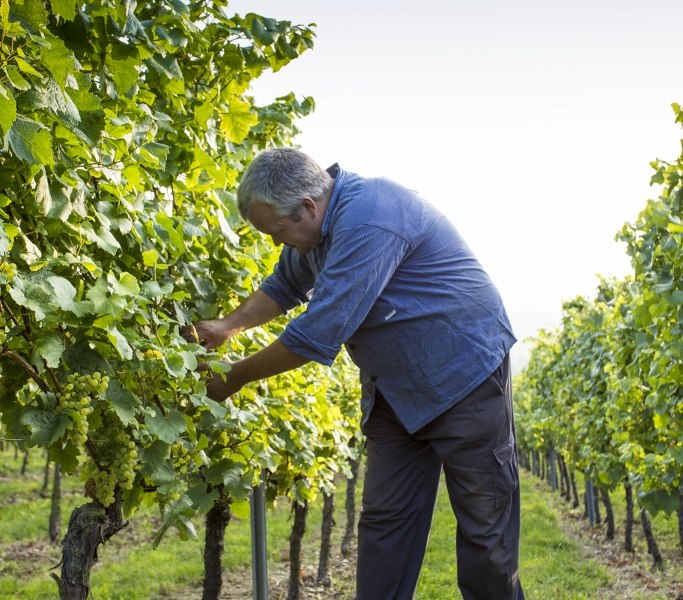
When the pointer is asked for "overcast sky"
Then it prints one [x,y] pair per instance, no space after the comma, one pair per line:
[531,124]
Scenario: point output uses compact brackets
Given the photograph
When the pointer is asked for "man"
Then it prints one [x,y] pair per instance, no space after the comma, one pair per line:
[387,275]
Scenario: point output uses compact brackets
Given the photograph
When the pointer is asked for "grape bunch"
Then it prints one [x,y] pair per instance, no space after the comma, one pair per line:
[124,461]
[180,456]
[100,485]
[117,458]
[76,400]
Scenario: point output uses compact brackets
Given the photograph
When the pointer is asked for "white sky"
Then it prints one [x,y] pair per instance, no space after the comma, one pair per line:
[530,123]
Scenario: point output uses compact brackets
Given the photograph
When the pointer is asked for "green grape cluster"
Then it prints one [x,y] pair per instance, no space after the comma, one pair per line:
[76,398]
[125,460]
[144,435]
[100,485]
[180,456]
[104,487]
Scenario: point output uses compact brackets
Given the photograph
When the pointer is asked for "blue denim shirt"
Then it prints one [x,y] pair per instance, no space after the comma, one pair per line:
[393,280]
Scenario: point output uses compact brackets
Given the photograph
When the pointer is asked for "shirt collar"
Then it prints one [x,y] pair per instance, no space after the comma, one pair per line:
[336,172]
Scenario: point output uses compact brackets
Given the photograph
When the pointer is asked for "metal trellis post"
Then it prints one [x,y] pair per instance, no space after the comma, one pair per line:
[259,555]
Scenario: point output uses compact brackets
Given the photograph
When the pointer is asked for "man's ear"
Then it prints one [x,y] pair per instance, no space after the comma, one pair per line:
[309,205]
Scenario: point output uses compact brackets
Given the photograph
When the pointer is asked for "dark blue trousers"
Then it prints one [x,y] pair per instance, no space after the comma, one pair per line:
[473,443]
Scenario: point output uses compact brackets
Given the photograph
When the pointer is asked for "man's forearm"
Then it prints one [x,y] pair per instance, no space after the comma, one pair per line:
[257,309]
[272,360]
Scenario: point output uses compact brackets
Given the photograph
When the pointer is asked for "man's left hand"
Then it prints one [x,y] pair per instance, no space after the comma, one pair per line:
[220,386]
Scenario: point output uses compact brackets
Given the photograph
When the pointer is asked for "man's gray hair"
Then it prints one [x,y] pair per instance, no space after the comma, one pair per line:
[281,178]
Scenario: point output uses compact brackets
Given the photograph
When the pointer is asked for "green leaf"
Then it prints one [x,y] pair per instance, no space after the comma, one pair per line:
[105,240]
[214,474]
[26,68]
[152,289]
[124,403]
[240,509]
[31,142]
[123,66]
[173,514]
[61,205]
[31,12]
[51,347]
[64,292]
[51,95]
[66,455]
[47,426]
[104,303]
[167,428]
[80,357]
[120,343]
[65,8]
[166,479]
[159,152]
[5,242]
[8,109]
[31,254]
[202,113]
[201,498]
[58,59]
[132,499]
[217,410]
[175,365]
[154,456]
[166,65]
[150,258]
[178,364]
[127,285]
[664,285]
[169,233]
[15,78]
[660,501]
[238,121]
[42,196]
[4,13]
[25,292]
[677,297]
[260,33]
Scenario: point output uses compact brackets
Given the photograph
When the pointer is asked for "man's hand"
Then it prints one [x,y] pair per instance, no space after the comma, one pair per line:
[209,334]
[220,385]
[219,389]
[258,309]
[269,361]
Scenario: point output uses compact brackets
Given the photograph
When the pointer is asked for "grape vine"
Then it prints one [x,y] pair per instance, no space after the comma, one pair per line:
[604,389]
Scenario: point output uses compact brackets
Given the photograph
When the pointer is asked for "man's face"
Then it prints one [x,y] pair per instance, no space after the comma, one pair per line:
[302,232]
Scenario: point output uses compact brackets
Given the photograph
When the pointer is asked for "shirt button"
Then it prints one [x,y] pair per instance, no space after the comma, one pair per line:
[373,378]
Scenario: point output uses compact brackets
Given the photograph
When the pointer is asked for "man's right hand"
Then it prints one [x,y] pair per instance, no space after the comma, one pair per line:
[210,333]
[258,309]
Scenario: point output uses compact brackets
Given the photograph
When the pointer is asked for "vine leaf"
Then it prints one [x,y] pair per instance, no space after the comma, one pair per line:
[31,142]
[51,347]
[65,8]
[168,428]
[8,109]
[47,426]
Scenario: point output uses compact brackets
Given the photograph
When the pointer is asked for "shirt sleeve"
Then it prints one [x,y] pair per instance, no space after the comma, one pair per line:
[360,262]
[291,283]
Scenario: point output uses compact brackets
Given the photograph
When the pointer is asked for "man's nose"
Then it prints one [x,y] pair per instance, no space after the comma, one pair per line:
[277,240]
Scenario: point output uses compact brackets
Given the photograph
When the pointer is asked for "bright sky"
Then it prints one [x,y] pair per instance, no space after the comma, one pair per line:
[531,124]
